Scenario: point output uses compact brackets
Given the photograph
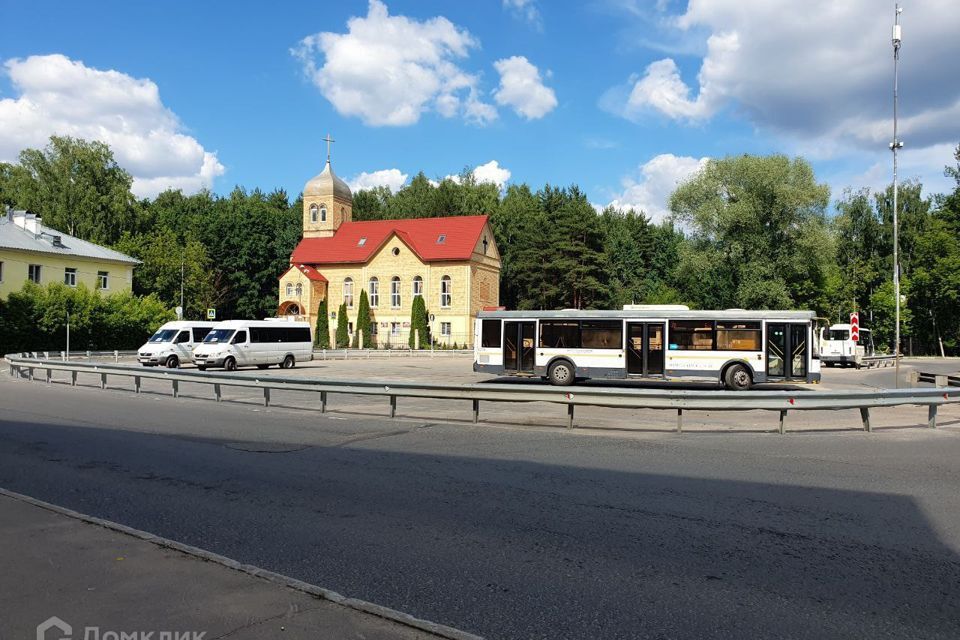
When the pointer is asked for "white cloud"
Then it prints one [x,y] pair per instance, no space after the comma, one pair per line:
[65,97]
[650,190]
[389,70]
[392,178]
[522,89]
[490,172]
[526,10]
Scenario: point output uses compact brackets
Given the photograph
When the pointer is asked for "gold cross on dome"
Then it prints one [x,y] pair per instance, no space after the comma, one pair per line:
[328,140]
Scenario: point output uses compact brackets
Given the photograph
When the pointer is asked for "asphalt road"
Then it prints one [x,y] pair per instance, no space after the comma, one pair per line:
[524,532]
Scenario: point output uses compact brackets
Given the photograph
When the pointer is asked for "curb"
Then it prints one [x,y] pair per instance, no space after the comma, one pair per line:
[363,606]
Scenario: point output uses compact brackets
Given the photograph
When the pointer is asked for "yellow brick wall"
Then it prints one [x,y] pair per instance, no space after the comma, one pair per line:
[338,212]
[15,267]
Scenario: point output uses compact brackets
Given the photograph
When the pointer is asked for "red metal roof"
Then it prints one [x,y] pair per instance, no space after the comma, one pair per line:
[461,234]
[308,271]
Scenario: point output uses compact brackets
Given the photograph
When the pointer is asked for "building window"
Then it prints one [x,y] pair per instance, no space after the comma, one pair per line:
[299,289]
[33,273]
[396,251]
[348,292]
[417,286]
[446,291]
[323,213]
[445,329]
[313,213]
[362,241]
[1,271]
[289,289]
[394,328]
[373,328]
[395,292]
[103,279]
[441,238]
[484,245]
[70,277]
[374,293]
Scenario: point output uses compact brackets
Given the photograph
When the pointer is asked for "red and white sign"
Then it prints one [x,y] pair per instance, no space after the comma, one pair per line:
[855,326]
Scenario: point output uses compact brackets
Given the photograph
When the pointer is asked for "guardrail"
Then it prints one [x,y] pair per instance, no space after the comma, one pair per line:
[679,400]
[939,379]
[318,354]
[879,361]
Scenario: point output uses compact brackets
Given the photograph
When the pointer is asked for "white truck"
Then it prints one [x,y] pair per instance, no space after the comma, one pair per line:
[837,346]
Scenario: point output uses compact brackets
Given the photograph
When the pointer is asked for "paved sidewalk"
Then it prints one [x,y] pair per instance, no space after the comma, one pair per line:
[88,575]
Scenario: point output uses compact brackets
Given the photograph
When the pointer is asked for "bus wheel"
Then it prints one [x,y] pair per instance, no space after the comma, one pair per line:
[172,362]
[288,363]
[230,364]
[560,373]
[737,378]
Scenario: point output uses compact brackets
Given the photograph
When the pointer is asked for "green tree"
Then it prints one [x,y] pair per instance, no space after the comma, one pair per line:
[77,187]
[321,336]
[759,234]
[363,324]
[419,324]
[343,333]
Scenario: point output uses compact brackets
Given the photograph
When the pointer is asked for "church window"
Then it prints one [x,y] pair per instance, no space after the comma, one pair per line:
[485,245]
[395,292]
[323,213]
[289,289]
[374,293]
[313,213]
[299,289]
[396,251]
[446,291]
[348,292]
[417,286]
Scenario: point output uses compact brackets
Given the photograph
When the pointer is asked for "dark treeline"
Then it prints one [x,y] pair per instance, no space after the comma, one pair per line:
[747,231]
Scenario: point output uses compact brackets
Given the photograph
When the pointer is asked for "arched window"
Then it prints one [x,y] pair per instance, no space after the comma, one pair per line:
[299,289]
[313,213]
[348,292]
[417,286]
[289,289]
[323,213]
[446,291]
[395,292]
[374,293]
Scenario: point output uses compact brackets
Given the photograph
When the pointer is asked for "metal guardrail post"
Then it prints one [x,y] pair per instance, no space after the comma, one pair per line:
[476,411]
[932,416]
[266,396]
[30,373]
[116,356]
[570,416]
[216,391]
[175,388]
[49,375]
[323,402]
[103,381]
[865,418]
[393,406]
[913,377]
[783,417]
[679,420]
[136,383]
[73,378]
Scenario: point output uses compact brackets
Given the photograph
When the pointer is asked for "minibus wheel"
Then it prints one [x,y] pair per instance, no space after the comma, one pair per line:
[230,364]
[172,362]
[288,363]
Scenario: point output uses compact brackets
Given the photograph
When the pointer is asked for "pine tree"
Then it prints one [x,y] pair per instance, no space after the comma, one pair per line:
[343,336]
[321,337]
[419,322]
[363,324]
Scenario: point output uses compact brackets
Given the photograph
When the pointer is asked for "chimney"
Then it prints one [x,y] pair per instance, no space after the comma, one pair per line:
[9,213]
[31,223]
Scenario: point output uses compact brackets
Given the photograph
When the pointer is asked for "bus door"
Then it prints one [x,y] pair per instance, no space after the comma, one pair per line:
[787,350]
[519,346]
[645,348]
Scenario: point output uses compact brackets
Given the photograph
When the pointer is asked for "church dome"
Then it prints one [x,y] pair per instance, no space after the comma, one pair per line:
[325,183]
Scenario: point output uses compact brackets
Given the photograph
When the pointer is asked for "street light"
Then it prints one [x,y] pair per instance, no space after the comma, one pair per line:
[896,144]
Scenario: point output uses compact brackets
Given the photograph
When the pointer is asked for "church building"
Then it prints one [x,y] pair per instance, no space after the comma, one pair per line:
[452,262]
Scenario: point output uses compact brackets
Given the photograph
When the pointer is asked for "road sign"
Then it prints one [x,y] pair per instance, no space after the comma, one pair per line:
[855,326]
[211,314]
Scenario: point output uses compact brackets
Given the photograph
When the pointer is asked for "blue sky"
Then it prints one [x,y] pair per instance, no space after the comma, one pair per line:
[621,97]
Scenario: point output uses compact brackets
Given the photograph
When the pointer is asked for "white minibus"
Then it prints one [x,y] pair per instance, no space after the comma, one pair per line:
[242,343]
[173,343]
[837,346]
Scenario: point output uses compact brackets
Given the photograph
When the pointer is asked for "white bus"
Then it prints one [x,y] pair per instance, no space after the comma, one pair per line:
[735,348]
[173,343]
[241,343]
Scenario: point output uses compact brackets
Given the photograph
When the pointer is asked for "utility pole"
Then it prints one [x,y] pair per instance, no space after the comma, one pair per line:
[896,144]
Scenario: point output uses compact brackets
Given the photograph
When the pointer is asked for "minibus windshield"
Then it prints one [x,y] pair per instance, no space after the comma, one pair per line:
[164,335]
[219,335]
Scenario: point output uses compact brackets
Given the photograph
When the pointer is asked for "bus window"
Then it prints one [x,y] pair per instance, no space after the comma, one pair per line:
[560,334]
[490,334]
[739,336]
[601,334]
[694,335]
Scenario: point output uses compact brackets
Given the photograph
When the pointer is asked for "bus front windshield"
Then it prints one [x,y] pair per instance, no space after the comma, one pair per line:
[164,335]
[219,335]
[839,334]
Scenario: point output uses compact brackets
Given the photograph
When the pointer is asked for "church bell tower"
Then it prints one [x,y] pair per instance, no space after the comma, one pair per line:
[327,202]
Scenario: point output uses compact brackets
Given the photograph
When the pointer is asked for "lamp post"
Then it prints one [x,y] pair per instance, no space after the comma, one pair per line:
[894,146]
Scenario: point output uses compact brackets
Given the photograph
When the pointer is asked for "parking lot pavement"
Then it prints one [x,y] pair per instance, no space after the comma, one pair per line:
[457,369]
[88,575]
